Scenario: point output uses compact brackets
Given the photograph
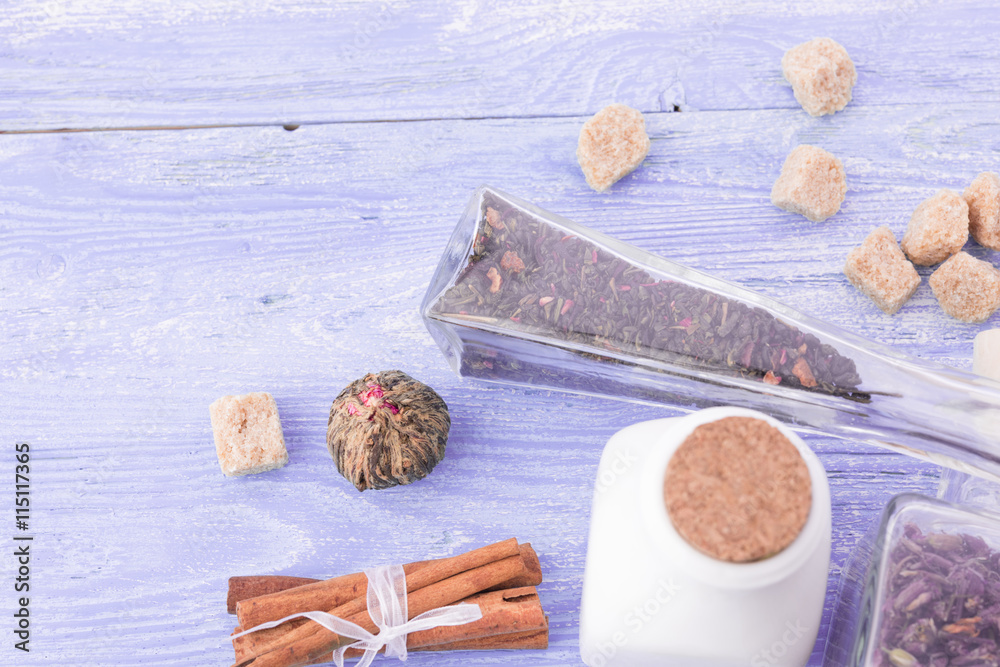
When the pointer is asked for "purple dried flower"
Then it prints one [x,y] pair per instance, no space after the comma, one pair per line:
[919,592]
[976,546]
[918,637]
[938,660]
[942,604]
[945,543]
[900,658]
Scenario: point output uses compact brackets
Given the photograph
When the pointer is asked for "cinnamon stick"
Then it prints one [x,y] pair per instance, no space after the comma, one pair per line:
[532,639]
[515,640]
[320,595]
[504,612]
[333,593]
[511,619]
[247,587]
[263,640]
[313,641]
[244,588]
[429,573]
[260,642]
[533,570]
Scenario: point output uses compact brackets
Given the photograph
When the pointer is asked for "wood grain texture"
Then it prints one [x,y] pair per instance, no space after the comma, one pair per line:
[123,63]
[145,274]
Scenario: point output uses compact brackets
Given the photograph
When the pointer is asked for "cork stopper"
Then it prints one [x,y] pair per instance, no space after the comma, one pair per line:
[738,490]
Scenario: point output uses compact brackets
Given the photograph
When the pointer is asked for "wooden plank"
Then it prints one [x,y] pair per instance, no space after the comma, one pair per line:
[123,63]
[165,211]
[142,275]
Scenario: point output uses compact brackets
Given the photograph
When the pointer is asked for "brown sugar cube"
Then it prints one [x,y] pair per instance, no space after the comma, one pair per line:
[822,75]
[880,270]
[248,437]
[612,144]
[967,288]
[983,198]
[812,183]
[938,228]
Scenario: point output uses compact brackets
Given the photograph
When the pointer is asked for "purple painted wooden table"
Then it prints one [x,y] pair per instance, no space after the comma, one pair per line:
[146,272]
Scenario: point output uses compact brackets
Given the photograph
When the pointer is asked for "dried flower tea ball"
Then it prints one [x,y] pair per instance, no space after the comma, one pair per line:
[387,429]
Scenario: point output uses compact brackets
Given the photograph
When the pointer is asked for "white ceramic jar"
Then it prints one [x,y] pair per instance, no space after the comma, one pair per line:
[650,598]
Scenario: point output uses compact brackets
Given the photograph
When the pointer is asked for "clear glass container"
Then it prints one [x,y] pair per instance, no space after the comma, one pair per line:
[881,620]
[970,490]
[527,297]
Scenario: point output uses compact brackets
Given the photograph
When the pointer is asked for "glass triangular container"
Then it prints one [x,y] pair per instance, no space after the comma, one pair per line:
[527,297]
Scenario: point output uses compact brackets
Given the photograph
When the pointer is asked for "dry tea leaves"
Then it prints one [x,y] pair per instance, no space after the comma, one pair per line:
[387,429]
[942,602]
[527,276]
[738,490]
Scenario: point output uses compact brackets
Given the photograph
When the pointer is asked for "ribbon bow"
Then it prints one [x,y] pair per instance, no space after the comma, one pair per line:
[388,610]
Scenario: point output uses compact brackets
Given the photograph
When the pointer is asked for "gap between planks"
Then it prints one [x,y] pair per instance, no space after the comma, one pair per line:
[440,119]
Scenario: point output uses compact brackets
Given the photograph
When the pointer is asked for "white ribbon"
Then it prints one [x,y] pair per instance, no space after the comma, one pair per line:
[388,610]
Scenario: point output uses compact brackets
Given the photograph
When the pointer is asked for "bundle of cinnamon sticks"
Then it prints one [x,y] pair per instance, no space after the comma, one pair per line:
[500,578]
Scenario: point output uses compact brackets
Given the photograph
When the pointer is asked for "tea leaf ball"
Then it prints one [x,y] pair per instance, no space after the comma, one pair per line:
[387,429]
